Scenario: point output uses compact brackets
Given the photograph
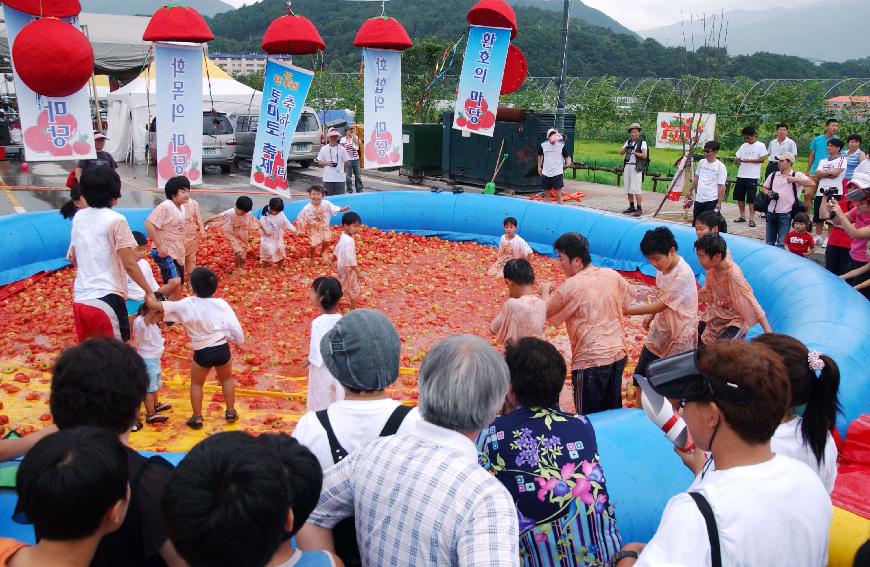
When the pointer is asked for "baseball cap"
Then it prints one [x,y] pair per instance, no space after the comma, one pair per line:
[634,125]
[99,136]
[333,132]
[678,377]
[860,185]
[362,351]
[551,131]
[788,156]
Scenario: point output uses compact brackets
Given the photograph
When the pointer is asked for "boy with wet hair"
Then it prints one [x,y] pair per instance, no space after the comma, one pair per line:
[313,221]
[523,314]
[237,224]
[165,227]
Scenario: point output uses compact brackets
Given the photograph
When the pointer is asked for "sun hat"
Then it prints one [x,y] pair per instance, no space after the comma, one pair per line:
[788,156]
[633,126]
[363,350]
[333,132]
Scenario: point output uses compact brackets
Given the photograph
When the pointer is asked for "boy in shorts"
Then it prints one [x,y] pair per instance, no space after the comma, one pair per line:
[237,224]
[165,227]
[313,220]
[749,158]
[553,158]
[210,322]
[149,345]
[349,274]
[135,294]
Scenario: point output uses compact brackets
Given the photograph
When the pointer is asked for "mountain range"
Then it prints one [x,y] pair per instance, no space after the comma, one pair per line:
[579,11]
[823,31]
[147,7]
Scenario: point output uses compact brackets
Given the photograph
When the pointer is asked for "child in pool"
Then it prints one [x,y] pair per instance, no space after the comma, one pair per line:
[349,274]
[237,224]
[313,220]
[510,246]
[524,313]
[323,388]
[273,223]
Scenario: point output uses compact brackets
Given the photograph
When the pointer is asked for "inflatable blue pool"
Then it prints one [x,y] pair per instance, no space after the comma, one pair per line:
[800,298]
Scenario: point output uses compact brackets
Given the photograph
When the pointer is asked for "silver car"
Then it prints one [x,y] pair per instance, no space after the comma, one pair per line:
[304,148]
[218,141]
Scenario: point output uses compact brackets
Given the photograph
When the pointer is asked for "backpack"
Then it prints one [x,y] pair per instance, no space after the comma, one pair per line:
[344,531]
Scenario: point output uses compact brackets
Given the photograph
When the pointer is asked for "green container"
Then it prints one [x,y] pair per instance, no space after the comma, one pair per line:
[422,146]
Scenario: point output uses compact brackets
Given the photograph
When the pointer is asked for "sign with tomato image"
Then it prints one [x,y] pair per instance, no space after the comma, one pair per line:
[53,128]
[383,108]
[675,130]
[285,88]
[481,78]
[179,112]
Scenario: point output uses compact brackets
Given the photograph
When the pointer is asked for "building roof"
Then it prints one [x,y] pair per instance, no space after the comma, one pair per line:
[849,99]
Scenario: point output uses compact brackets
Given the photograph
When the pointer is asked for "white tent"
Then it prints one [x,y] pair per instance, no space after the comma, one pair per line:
[131,106]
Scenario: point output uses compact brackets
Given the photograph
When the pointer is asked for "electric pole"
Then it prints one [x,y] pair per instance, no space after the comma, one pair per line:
[563,87]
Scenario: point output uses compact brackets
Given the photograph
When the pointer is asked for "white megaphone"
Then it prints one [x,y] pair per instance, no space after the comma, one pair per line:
[660,411]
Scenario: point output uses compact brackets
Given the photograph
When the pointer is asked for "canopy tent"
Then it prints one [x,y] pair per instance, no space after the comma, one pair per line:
[132,106]
[117,42]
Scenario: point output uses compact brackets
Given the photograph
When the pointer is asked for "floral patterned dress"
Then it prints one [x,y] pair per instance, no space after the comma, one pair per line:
[548,461]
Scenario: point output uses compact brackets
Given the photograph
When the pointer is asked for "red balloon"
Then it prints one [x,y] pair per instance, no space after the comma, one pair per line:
[52,57]
[515,70]
[177,23]
[494,14]
[383,33]
[293,35]
[46,8]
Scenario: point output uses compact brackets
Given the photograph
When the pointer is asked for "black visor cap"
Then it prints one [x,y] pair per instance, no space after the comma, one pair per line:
[678,377]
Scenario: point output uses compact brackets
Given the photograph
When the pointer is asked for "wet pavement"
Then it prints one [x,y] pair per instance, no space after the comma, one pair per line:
[41,186]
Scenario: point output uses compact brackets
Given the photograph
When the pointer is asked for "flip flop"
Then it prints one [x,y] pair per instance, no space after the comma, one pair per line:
[231,416]
[195,422]
[162,407]
[752,224]
[155,418]
[138,427]
[740,219]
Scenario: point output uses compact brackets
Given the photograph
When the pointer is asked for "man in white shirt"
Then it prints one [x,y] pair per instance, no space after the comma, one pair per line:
[708,186]
[780,145]
[829,180]
[420,497]
[553,158]
[636,152]
[769,509]
[334,160]
[103,250]
[351,143]
[749,157]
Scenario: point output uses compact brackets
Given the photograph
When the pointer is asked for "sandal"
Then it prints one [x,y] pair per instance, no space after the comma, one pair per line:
[739,219]
[752,224]
[195,422]
[162,407]
[138,427]
[231,416]
[156,418]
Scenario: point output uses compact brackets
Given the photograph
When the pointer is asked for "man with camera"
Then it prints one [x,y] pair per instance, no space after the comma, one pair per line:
[782,188]
[829,180]
[334,159]
[636,152]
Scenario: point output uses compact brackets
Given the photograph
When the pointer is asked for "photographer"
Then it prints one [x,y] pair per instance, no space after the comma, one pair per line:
[782,187]
[856,223]
[636,152]
[755,507]
[829,180]
[334,160]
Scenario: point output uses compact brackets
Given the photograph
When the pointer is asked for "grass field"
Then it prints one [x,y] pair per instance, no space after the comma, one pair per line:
[607,155]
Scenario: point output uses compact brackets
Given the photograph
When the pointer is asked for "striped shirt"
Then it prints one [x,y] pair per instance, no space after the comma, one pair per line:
[348,144]
[420,498]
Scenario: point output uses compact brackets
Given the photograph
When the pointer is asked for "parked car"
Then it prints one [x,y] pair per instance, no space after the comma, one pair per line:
[218,141]
[304,148]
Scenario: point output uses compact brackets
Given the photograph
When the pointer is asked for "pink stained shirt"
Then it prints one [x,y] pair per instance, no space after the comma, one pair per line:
[731,302]
[675,329]
[590,303]
[520,317]
[192,224]
[168,218]
[858,248]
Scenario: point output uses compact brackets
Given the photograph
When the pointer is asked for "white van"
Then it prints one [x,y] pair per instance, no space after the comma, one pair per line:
[306,144]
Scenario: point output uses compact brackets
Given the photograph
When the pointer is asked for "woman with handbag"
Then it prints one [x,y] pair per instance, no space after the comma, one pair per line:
[779,195]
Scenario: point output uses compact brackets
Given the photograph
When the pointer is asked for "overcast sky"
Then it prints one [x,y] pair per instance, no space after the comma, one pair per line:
[645,14]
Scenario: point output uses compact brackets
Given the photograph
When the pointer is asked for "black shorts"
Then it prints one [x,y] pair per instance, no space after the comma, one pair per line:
[701,207]
[744,190]
[643,362]
[169,267]
[598,388]
[817,204]
[212,356]
[555,182]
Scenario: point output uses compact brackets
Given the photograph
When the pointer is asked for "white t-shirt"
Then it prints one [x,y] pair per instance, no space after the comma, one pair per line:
[319,327]
[345,251]
[826,182]
[335,154]
[133,290]
[863,167]
[774,148]
[750,151]
[631,157]
[710,177]
[353,421]
[97,235]
[788,441]
[775,514]
[149,339]
[519,247]
[209,321]
[554,158]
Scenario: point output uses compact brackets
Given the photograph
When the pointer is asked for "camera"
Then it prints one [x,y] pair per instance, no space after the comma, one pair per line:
[629,148]
[774,196]
[829,192]
[333,164]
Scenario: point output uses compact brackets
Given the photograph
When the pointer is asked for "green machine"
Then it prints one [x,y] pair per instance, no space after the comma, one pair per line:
[422,148]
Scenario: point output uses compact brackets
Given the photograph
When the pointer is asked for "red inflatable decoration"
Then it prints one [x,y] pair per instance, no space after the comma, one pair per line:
[293,35]
[46,8]
[53,57]
[515,70]
[383,33]
[177,23]
[494,14]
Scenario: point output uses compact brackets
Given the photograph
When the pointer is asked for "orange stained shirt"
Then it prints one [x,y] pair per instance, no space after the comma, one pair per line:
[730,302]
[520,317]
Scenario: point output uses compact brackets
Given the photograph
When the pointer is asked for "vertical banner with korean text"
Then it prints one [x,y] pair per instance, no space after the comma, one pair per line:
[285,88]
[53,128]
[383,108]
[480,81]
[179,112]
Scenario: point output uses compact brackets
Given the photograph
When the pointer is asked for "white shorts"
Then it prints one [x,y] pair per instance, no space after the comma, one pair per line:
[632,179]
